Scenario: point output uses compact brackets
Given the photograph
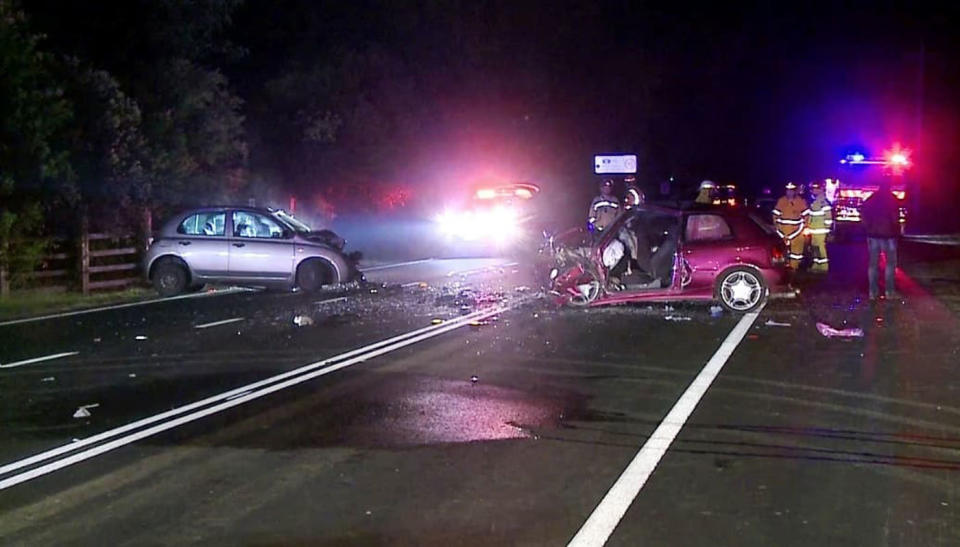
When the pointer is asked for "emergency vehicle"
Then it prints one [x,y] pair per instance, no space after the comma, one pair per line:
[859,178]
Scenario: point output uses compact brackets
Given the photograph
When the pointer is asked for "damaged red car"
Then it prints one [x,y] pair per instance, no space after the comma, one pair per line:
[658,254]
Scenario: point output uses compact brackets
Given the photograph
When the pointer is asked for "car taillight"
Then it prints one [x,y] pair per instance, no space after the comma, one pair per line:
[777,257]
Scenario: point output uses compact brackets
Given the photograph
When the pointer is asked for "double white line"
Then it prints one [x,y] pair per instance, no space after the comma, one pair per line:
[69,454]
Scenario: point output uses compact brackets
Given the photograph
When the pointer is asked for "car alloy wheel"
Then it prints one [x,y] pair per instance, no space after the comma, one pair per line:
[741,290]
[587,290]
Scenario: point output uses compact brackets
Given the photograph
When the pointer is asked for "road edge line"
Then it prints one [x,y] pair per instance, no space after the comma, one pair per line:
[607,515]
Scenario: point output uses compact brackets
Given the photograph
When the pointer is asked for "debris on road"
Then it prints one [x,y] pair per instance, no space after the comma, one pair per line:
[140,337]
[84,411]
[678,318]
[830,332]
[131,375]
[302,320]
[474,379]
[436,321]
[772,323]
[96,340]
[48,379]
[716,311]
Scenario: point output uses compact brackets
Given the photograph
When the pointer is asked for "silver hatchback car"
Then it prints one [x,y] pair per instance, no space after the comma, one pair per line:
[245,246]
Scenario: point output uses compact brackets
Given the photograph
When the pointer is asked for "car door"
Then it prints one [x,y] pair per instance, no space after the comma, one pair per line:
[706,241]
[260,247]
[202,243]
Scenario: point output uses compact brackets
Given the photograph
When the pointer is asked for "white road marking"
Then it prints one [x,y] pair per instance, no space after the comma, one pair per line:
[39,359]
[218,323]
[237,396]
[230,399]
[605,518]
[397,265]
[331,300]
[231,290]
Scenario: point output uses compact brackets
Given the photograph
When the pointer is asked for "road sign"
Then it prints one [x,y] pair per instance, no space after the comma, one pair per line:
[621,164]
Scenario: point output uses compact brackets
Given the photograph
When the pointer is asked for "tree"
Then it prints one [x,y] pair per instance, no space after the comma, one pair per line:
[33,112]
[107,147]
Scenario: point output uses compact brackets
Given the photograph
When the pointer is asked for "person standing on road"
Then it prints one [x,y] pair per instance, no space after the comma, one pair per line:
[880,215]
[707,191]
[819,222]
[604,208]
[789,216]
[633,197]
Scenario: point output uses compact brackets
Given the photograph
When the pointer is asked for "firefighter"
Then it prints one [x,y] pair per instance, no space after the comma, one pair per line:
[705,197]
[604,208]
[789,216]
[634,195]
[819,223]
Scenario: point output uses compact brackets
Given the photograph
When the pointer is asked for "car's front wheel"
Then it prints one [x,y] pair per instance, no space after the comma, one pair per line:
[312,275]
[587,289]
[741,289]
[170,278]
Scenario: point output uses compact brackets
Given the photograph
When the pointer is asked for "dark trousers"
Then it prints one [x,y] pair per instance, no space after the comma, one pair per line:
[887,245]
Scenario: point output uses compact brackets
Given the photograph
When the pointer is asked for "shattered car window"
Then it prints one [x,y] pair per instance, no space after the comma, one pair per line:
[247,224]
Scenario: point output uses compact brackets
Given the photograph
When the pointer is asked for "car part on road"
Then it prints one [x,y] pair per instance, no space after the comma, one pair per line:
[84,411]
[302,321]
[772,323]
[831,332]
[741,289]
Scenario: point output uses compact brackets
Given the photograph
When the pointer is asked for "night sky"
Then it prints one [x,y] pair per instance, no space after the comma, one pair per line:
[749,93]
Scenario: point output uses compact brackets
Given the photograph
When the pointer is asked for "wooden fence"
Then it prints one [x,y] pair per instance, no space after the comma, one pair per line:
[89,262]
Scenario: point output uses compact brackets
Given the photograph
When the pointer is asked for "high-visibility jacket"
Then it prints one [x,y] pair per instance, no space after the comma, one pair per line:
[789,217]
[820,217]
[633,197]
[603,211]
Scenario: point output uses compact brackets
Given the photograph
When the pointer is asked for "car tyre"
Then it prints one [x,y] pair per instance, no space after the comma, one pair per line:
[590,289]
[313,275]
[170,278]
[741,289]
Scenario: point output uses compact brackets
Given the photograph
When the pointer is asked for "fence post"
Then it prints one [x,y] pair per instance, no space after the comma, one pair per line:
[84,255]
[4,277]
[146,229]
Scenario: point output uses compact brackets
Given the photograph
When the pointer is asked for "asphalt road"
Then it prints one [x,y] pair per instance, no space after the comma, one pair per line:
[487,417]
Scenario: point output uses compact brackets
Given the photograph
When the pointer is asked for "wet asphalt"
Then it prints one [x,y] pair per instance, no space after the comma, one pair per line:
[508,431]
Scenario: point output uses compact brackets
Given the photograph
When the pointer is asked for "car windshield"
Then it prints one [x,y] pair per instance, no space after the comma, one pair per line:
[292,222]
